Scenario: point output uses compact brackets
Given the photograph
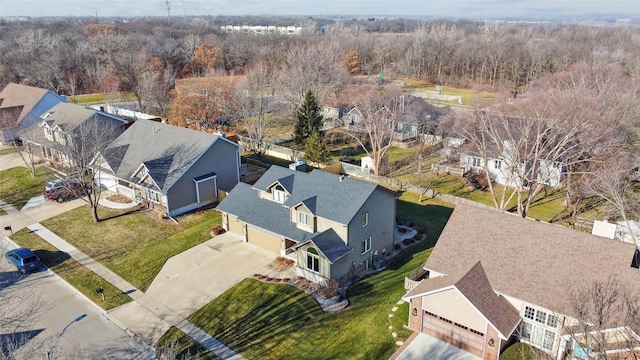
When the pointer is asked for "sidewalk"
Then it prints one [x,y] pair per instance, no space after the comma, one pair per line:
[144,310]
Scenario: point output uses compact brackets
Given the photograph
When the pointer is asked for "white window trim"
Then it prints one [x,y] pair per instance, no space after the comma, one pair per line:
[365,218]
[317,260]
[306,216]
[367,249]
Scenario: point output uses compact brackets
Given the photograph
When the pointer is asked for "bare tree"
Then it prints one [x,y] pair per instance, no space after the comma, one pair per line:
[614,183]
[254,96]
[316,67]
[380,113]
[602,317]
[89,139]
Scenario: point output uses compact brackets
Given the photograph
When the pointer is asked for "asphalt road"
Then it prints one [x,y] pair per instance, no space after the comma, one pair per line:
[56,304]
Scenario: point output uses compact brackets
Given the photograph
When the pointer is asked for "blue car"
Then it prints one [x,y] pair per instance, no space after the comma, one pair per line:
[24,259]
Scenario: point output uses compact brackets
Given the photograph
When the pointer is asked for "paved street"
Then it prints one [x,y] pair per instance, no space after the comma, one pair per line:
[94,337]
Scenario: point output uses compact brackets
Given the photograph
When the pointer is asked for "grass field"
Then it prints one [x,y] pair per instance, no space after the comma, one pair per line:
[71,271]
[134,245]
[17,186]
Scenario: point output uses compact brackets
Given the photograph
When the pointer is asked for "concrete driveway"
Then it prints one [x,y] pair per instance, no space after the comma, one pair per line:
[424,346]
[190,280]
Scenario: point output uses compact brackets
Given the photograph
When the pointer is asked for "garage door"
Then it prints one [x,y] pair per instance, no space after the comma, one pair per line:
[453,333]
[235,226]
[264,240]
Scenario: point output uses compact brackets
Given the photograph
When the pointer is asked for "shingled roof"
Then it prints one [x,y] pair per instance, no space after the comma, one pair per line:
[166,151]
[337,198]
[529,260]
[17,100]
[69,116]
[476,288]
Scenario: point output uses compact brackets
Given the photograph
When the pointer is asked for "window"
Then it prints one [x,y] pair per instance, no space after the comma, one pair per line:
[366,245]
[304,219]
[540,332]
[313,260]
[365,219]
[154,196]
[497,164]
[476,162]
[279,194]
[529,312]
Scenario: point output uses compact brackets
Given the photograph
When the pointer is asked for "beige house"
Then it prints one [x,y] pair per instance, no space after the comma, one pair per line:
[495,278]
[333,227]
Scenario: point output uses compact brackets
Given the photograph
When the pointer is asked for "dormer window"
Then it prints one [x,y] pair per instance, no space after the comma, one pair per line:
[305,219]
[278,194]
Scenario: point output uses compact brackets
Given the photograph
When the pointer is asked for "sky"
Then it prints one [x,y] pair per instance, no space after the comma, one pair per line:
[470,9]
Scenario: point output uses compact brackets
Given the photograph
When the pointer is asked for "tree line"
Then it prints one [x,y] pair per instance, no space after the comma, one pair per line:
[143,56]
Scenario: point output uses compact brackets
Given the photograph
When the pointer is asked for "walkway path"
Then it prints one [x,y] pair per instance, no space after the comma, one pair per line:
[157,315]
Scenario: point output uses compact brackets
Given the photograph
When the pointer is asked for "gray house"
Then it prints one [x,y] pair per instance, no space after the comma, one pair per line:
[21,107]
[65,125]
[173,169]
[331,226]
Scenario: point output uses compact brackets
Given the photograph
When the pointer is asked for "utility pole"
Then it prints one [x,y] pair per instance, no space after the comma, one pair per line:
[168,11]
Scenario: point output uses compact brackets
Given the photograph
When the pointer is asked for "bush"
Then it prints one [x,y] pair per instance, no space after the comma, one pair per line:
[217,230]
[406,241]
[397,246]
[329,289]
[282,263]
[521,351]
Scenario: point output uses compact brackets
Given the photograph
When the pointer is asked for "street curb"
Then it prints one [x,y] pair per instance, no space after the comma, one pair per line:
[102,311]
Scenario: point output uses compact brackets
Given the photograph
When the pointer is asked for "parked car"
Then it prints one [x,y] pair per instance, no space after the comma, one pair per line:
[24,259]
[62,189]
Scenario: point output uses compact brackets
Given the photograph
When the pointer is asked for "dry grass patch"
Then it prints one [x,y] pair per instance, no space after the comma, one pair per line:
[133,244]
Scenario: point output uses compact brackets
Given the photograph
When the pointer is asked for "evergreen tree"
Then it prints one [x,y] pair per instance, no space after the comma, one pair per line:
[308,119]
[316,150]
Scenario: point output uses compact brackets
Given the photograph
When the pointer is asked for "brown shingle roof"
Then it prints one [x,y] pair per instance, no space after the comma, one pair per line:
[17,95]
[530,260]
[476,288]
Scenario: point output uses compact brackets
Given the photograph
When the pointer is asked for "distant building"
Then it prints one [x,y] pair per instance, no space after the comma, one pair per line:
[261,30]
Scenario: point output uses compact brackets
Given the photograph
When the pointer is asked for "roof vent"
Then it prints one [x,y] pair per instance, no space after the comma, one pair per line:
[341,178]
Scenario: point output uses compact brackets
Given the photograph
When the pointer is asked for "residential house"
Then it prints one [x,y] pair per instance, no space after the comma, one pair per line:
[353,119]
[21,107]
[331,226]
[495,278]
[505,171]
[173,169]
[65,126]
[417,118]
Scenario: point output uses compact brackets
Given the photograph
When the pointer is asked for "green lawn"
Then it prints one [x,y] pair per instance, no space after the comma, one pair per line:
[175,344]
[17,186]
[272,321]
[9,150]
[135,245]
[75,274]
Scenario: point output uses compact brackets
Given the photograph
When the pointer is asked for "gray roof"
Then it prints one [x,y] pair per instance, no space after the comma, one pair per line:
[67,116]
[331,245]
[166,151]
[337,198]
[243,202]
